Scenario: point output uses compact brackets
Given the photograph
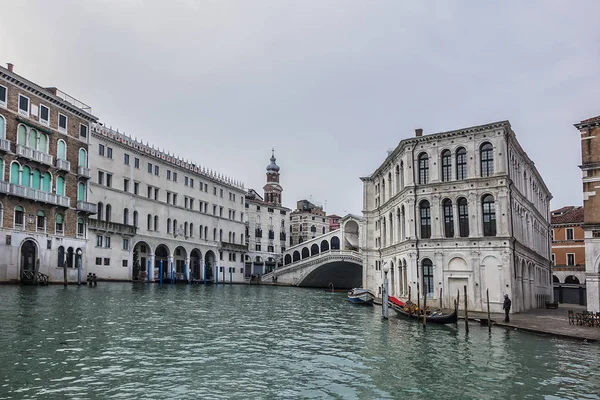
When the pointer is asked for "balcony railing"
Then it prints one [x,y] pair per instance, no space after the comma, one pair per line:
[84,172]
[112,227]
[4,145]
[4,187]
[90,208]
[63,165]
[38,195]
[233,246]
[35,155]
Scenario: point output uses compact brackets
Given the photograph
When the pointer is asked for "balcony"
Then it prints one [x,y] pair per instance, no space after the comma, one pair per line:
[90,208]
[4,187]
[35,155]
[37,195]
[233,246]
[111,227]
[63,165]
[4,145]
[84,172]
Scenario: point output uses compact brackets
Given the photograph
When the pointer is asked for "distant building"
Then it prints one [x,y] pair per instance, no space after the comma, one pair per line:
[44,177]
[306,222]
[334,222]
[454,209]
[590,167]
[266,225]
[568,255]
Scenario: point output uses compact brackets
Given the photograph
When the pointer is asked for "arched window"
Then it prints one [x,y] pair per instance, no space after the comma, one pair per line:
[191,229]
[149,222]
[313,228]
[41,221]
[47,182]
[242,238]
[489,215]
[59,224]
[324,245]
[82,162]
[461,164]
[463,217]
[200,232]
[135,219]
[43,143]
[81,191]
[61,257]
[61,151]
[156,227]
[1,215]
[60,188]
[2,127]
[175,227]
[108,212]
[168,225]
[14,172]
[423,168]
[32,139]
[19,220]
[229,237]
[100,211]
[22,135]
[323,230]
[126,216]
[206,232]
[486,152]
[185,228]
[80,228]
[1,169]
[428,277]
[215,234]
[220,235]
[448,219]
[232,237]
[390,194]
[26,176]
[446,165]
[425,214]
[335,243]
[36,179]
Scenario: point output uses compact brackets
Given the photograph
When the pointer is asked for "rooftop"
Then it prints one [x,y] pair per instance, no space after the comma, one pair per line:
[567,215]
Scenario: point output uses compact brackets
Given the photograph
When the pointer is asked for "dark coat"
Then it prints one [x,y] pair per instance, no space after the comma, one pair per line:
[506,305]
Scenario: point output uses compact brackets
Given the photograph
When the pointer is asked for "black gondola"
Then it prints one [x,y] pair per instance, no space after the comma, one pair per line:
[434,318]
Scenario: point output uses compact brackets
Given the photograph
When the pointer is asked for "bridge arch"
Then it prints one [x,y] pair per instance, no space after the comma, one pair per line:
[287,259]
[314,249]
[351,236]
[296,256]
[305,253]
[324,246]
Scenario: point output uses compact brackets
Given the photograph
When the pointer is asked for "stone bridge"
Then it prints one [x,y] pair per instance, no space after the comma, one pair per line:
[332,258]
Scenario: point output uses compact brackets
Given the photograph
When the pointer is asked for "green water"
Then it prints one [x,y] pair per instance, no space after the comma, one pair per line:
[253,342]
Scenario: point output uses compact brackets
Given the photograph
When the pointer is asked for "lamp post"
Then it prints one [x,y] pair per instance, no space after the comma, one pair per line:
[386,269]
[79,252]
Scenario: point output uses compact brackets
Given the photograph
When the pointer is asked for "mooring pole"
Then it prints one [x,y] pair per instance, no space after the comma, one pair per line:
[441,298]
[418,301]
[487,293]
[385,292]
[466,311]
[230,276]
[148,271]
[160,271]
[424,305]
[204,274]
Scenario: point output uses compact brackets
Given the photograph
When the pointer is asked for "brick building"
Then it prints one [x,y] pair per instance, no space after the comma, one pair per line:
[590,167]
[307,221]
[43,180]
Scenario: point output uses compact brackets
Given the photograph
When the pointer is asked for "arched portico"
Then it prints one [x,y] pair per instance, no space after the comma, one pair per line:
[209,262]
[196,264]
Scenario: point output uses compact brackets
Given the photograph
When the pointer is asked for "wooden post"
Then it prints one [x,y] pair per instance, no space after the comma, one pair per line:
[441,298]
[487,293]
[418,300]
[457,301]
[466,311]
[409,290]
[424,306]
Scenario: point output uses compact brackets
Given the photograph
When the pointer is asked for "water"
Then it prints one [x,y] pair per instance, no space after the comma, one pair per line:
[252,342]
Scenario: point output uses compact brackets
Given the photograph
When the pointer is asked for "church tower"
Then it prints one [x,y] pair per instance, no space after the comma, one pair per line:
[273,188]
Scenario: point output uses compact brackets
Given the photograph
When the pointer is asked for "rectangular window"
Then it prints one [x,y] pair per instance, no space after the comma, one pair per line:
[101,149]
[23,105]
[191,182]
[570,234]
[169,174]
[186,181]
[270,249]
[215,190]
[221,193]
[221,256]
[83,131]
[570,259]
[149,168]
[99,240]
[107,241]
[553,259]
[156,194]
[3,96]
[446,165]
[214,210]
[136,188]
[126,159]
[100,178]
[125,245]
[258,247]
[98,260]
[125,263]
[221,212]
[169,197]
[109,152]
[448,219]
[174,176]
[126,185]
[109,180]
[552,234]
[463,217]
[62,123]
[156,170]
[174,199]
[44,115]
[149,192]
[185,202]
[107,261]
[461,164]
[136,163]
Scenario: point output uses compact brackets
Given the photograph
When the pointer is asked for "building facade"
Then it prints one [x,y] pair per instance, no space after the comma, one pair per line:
[306,222]
[589,130]
[464,208]
[43,181]
[266,225]
[158,212]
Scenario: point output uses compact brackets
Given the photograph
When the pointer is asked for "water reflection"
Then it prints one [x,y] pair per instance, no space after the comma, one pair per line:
[146,341]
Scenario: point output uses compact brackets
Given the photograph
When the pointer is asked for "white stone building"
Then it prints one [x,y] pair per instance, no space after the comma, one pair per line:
[156,208]
[266,225]
[459,208]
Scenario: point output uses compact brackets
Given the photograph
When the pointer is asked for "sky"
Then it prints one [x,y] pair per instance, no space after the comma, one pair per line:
[332,85]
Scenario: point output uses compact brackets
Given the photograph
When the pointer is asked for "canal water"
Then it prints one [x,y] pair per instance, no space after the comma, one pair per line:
[126,341]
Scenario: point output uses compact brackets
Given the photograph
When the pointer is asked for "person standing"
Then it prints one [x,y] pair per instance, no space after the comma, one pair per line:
[506,307]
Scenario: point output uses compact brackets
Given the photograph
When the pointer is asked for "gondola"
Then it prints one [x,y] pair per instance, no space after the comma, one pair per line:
[434,318]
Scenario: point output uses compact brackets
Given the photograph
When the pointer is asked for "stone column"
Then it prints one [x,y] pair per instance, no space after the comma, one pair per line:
[151,260]
[170,266]
[187,272]
[455,219]
[436,217]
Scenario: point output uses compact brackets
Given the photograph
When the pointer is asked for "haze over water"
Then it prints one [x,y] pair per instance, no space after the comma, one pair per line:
[123,340]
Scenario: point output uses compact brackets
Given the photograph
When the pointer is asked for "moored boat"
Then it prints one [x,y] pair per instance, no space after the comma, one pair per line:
[360,296]
[435,317]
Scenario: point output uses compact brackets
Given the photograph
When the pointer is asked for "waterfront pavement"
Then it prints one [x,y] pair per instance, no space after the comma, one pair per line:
[554,322]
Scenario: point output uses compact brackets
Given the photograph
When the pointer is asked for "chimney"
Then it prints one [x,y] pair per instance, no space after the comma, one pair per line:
[418,132]
[52,90]
[10,66]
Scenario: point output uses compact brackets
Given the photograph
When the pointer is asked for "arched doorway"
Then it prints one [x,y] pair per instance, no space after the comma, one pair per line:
[195,264]
[161,254]
[70,258]
[141,254]
[179,261]
[351,235]
[209,261]
[28,259]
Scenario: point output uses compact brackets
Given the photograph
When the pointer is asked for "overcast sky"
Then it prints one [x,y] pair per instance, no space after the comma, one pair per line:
[331,85]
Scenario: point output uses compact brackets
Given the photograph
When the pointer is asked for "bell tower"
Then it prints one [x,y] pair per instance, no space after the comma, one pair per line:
[273,189]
